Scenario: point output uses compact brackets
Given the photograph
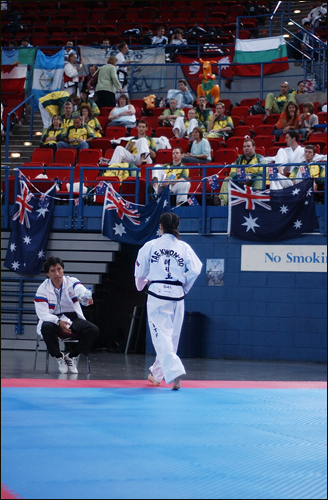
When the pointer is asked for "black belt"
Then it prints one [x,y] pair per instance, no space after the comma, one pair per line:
[176,283]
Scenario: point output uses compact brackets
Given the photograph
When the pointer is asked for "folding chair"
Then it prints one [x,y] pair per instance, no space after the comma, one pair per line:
[73,340]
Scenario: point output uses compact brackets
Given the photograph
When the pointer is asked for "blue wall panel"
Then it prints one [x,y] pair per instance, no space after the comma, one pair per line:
[258,315]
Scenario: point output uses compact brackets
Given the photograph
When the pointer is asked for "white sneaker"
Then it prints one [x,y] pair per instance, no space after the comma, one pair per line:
[71,363]
[63,368]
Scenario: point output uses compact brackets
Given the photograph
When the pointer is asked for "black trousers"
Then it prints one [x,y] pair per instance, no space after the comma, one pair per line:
[105,99]
[82,330]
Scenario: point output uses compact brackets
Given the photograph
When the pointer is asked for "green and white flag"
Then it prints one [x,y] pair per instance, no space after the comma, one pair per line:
[250,53]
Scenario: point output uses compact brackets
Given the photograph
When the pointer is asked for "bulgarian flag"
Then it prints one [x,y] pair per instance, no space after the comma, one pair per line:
[13,78]
[249,53]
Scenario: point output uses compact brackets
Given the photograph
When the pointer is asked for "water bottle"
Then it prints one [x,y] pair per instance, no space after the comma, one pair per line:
[86,297]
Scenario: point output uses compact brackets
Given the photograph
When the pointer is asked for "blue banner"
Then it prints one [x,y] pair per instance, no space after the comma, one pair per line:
[129,223]
[271,215]
[48,74]
[30,230]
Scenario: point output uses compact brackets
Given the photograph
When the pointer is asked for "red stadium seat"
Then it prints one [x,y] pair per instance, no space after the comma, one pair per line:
[105,111]
[67,156]
[322,115]
[152,121]
[271,119]
[165,131]
[254,120]
[103,120]
[236,142]
[89,156]
[215,144]
[250,101]
[264,130]
[43,155]
[164,156]
[225,156]
[242,131]
[115,132]
[264,140]
[102,144]
[128,189]
[241,111]
[180,143]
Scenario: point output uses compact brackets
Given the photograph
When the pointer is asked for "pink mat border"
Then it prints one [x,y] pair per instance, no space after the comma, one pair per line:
[7,493]
[142,384]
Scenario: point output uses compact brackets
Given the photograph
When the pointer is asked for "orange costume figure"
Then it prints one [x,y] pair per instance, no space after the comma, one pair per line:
[208,88]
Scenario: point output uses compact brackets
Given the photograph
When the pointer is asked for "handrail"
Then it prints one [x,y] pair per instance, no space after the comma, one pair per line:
[8,123]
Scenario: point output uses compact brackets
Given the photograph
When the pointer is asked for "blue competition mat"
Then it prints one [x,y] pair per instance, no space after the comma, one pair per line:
[85,443]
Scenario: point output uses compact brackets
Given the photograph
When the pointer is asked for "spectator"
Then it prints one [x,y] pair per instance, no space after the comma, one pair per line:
[160,39]
[300,89]
[288,120]
[220,125]
[200,150]
[177,42]
[71,74]
[77,136]
[69,49]
[67,120]
[179,184]
[316,14]
[252,174]
[25,43]
[60,315]
[52,134]
[168,117]
[275,104]
[52,104]
[89,119]
[183,96]
[105,42]
[294,153]
[307,120]
[203,113]
[122,71]
[86,85]
[302,40]
[124,114]
[183,128]
[140,149]
[317,172]
[177,38]
[107,84]
[85,99]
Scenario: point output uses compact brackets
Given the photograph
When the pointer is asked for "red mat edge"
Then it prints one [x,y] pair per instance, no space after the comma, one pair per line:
[142,384]
[7,493]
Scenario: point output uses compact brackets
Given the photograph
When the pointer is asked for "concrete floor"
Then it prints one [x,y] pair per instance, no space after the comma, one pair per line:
[116,366]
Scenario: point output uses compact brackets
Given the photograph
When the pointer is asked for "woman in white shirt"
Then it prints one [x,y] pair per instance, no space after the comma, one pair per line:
[71,75]
[124,114]
[169,268]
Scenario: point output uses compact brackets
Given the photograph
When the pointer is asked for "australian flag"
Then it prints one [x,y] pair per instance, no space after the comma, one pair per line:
[271,215]
[129,223]
[30,230]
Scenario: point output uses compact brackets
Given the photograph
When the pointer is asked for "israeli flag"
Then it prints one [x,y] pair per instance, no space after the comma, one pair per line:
[48,74]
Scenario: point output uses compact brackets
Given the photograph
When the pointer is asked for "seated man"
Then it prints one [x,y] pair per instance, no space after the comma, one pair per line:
[77,136]
[66,117]
[168,117]
[183,128]
[253,174]
[275,104]
[203,113]
[317,172]
[220,125]
[183,96]
[175,175]
[294,153]
[140,149]
[57,305]
[160,38]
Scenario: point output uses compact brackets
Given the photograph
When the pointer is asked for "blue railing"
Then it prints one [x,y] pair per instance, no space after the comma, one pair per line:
[69,216]
[13,306]
[8,123]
